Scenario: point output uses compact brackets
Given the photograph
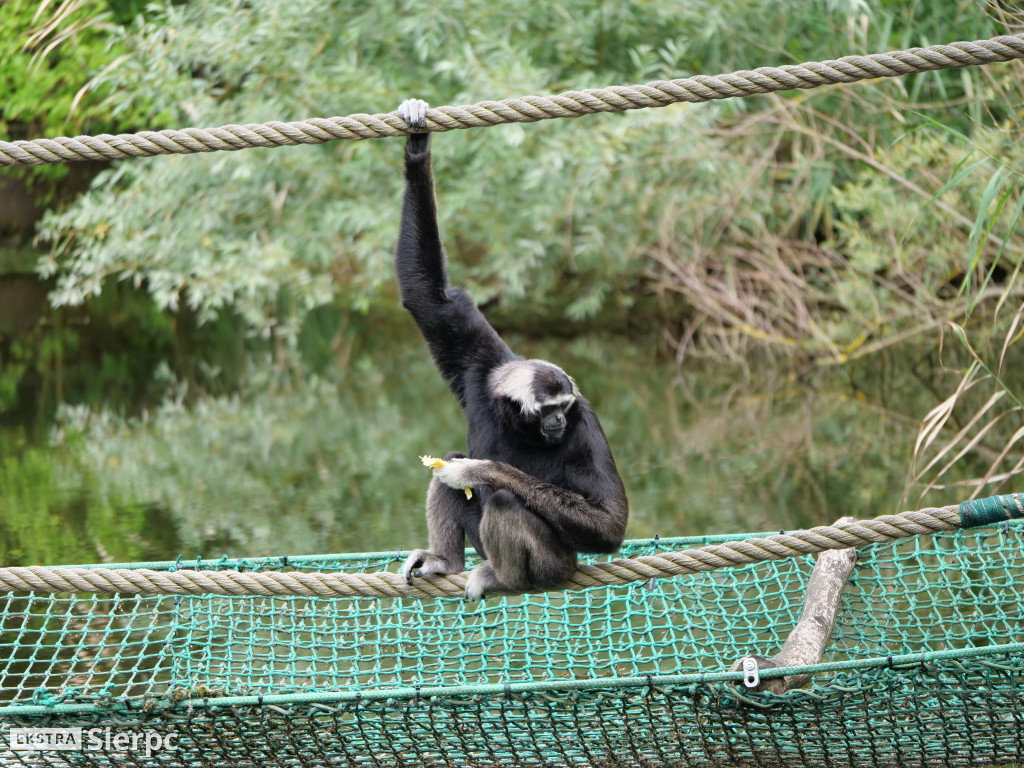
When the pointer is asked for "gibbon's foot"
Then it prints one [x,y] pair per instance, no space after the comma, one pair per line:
[482,580]
[424,563]
[414,112]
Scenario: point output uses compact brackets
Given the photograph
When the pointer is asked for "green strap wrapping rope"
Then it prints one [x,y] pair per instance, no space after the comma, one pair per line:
[528,109]
[989,511]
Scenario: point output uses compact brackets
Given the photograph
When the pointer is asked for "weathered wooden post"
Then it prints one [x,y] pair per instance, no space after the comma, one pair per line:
[806,643]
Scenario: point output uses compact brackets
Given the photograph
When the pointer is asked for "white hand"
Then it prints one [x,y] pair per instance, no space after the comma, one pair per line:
[461,473]
[414,112]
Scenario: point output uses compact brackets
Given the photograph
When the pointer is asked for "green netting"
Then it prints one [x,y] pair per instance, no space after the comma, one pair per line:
[925,668]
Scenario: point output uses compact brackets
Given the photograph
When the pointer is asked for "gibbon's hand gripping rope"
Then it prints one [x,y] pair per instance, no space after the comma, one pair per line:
[852,533]
[528,109]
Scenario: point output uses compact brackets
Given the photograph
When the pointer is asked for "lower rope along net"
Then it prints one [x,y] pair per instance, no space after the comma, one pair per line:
[925,667]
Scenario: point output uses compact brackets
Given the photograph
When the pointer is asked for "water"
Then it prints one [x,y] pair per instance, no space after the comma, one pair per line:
[330,464]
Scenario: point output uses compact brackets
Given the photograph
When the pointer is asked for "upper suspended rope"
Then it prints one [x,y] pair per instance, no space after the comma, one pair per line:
[528,109]
[732,554]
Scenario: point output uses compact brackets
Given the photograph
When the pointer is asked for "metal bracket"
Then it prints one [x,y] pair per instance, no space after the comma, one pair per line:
[751,674]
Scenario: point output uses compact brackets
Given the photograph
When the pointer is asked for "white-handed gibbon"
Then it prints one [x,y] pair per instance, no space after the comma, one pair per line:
[544,483]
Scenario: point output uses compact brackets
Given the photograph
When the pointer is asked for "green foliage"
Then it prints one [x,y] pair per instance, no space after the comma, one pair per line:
[48,53]
[913,259]
[953,268]
[46,62]
[971,440]
[576,213]
[39,83]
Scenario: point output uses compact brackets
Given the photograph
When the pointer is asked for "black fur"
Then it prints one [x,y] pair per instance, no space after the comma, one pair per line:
[551,487]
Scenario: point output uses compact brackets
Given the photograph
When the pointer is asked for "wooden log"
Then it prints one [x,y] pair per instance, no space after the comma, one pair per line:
[807,642]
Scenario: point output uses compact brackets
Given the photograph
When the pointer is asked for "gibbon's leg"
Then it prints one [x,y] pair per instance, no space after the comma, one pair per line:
[451,517]
[522,549]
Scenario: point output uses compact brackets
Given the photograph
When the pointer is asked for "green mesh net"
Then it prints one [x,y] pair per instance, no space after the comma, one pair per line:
[925,667]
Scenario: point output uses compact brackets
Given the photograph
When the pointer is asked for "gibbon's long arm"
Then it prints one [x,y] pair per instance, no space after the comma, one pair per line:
[456,331]
[422,269]
[596,525]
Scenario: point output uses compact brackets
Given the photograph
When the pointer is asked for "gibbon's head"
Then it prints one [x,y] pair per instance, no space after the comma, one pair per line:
[542,396]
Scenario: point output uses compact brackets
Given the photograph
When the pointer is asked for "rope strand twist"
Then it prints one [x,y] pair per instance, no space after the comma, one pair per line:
[853,533]
[529,109]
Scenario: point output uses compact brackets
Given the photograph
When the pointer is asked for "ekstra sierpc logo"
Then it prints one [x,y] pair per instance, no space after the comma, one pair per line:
[91,740]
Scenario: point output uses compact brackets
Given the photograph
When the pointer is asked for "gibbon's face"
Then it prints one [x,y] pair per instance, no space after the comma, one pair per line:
[544,394]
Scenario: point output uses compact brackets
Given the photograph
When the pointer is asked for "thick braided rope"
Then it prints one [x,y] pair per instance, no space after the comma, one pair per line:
[528,109]
[853,533]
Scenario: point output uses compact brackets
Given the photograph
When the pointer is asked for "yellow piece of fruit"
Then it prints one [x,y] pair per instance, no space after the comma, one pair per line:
[430,461]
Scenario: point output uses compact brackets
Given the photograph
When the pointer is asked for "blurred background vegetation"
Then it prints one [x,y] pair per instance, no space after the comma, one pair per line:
[786,308]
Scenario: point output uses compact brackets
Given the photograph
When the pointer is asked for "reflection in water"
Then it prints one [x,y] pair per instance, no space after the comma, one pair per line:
[331,466]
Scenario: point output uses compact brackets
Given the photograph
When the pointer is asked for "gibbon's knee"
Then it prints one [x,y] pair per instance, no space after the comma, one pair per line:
[451,517]
[523,549]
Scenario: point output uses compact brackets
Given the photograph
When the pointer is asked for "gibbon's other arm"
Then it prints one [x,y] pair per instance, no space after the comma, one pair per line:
[456,331]
[596,524]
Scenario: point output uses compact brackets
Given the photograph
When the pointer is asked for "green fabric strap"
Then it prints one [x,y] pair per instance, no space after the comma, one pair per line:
[994,509]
